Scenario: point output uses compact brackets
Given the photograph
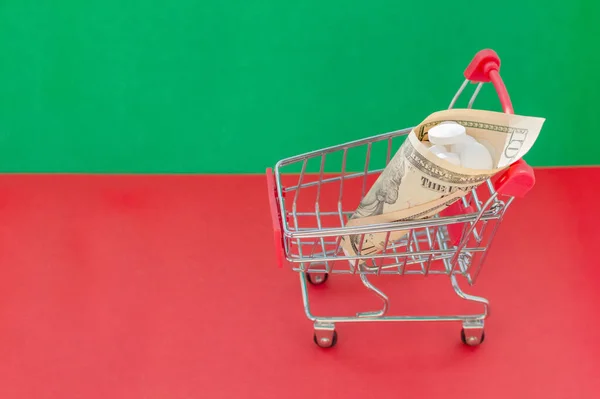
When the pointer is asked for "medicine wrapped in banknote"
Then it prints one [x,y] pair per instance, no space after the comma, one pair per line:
[417,184]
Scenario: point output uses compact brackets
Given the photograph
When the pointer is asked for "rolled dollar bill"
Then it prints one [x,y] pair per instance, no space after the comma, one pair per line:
[417,184]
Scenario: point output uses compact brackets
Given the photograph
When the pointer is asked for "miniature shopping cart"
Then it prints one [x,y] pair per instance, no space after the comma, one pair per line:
[310,208]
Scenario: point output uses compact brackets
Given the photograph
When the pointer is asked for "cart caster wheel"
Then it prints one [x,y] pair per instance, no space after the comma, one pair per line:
[317,278]
[472,337]
[325,341]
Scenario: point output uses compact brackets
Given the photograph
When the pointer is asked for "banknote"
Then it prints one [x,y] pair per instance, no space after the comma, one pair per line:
[417,184]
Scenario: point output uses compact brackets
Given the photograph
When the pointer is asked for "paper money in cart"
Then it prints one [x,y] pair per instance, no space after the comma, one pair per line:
[406,214]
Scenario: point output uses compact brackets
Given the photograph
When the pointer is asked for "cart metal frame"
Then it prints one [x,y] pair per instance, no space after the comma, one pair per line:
[454,242]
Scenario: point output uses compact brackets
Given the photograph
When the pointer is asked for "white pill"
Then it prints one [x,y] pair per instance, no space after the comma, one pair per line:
[450,157]
[457,148]
[437,149]
[476,156]
[446,133]
[489,147]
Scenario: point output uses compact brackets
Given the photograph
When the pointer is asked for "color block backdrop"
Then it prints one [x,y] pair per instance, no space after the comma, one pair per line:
[214,86]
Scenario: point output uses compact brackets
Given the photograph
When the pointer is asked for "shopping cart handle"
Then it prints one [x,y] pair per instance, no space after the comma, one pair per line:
[516,181]
[484,68]
[275,217]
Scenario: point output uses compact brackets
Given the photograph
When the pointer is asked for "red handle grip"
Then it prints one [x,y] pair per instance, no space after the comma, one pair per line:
[275,217]
[484,68]
[519,178]
[517,181]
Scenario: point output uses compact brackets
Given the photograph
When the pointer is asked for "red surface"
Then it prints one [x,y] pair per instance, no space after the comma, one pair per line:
[153,287]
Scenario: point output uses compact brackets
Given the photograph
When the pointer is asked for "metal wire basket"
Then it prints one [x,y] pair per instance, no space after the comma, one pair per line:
[310,212]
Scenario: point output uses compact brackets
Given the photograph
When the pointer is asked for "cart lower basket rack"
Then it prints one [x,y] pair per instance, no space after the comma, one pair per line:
[309,212]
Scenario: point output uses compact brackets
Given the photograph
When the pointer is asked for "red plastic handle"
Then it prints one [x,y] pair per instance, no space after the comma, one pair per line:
[485,67]
[275,217]
[519,178]
[517,181]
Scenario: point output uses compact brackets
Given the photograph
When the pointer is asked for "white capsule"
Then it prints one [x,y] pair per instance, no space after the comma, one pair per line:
[476,156]
[446,133]
[450,157]
[466,139]
[489,147]
[437,149]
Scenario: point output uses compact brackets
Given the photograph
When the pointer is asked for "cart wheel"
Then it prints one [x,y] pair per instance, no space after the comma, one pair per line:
[326,342]
[472,339]
[317,278]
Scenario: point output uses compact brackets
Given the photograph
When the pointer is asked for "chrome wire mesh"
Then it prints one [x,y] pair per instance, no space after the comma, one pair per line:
[316,204]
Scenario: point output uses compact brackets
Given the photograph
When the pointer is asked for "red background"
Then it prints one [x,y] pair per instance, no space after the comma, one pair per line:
[153,287]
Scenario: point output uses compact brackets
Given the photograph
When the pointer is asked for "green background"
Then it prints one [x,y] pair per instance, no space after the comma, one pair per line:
[191,86]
